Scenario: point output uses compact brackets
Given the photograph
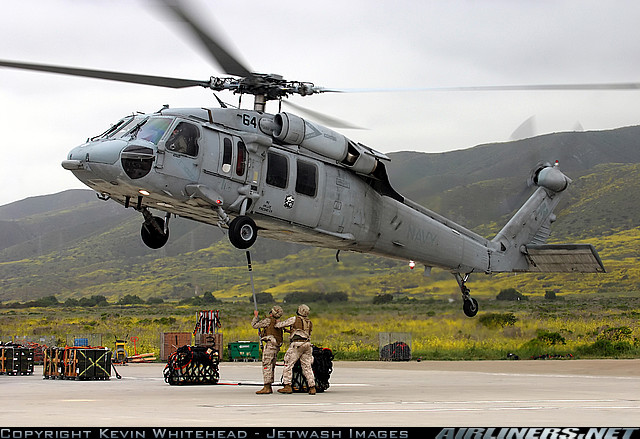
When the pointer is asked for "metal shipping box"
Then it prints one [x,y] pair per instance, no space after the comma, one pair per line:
[244,350]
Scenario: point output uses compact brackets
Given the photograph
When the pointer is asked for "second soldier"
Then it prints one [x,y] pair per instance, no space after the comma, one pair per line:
[299,349]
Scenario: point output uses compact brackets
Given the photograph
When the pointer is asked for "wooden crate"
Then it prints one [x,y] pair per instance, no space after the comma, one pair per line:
[171,341]
[214,341]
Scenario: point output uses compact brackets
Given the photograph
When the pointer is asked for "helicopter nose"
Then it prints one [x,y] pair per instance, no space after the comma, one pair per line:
[105,152]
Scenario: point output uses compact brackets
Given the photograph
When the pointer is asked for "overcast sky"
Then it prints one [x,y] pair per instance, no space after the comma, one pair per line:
[355,44]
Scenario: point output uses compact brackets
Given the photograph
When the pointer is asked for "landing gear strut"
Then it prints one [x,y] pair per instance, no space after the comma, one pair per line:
[469,305]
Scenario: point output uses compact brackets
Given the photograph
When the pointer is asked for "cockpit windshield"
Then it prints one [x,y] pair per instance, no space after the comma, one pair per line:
[119,128]
[152,129]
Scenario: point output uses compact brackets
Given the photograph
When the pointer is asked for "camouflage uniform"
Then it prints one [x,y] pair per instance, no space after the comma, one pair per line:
[300,348]
[272,338]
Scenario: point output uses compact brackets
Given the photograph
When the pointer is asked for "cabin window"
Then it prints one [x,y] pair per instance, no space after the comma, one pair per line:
[227,153]
[306,179]
[184,139]
[277,170]
[241,161]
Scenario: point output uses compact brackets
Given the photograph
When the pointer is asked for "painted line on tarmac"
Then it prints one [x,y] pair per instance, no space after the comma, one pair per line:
[545,375]
[503,405]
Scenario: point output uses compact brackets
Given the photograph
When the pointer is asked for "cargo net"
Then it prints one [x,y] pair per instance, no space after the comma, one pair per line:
[191,365]
[398,351]
[322,367]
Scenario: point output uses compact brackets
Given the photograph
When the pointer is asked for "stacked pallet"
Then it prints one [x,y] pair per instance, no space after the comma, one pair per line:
[16,360]
[77,363]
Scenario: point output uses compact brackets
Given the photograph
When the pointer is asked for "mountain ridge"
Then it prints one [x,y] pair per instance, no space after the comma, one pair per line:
[72,244]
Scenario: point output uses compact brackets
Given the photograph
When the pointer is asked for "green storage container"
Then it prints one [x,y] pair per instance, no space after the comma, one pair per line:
[244,350]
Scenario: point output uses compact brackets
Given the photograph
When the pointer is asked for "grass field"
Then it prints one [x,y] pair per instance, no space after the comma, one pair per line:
[572,325]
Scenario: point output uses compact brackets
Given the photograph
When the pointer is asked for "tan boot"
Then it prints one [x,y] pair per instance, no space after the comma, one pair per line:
[286,389]
[265,390]
[312,390]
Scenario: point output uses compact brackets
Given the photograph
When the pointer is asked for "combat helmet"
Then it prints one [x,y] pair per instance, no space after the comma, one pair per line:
[303,310]
[277,311]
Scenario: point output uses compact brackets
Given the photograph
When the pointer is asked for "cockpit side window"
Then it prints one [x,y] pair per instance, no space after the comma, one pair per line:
[153,129]
[184,139]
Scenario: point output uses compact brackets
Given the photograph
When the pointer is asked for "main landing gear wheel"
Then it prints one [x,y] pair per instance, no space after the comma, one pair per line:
[151,233]
[243,232]
[470,307]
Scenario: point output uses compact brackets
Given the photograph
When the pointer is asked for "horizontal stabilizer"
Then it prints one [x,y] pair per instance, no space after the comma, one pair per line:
[564,258]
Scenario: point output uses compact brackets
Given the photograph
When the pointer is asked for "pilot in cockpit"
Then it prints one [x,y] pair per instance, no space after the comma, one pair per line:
[178,140]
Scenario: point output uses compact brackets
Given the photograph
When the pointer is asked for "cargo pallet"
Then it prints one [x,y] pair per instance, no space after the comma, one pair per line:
[16,360]
[77,363]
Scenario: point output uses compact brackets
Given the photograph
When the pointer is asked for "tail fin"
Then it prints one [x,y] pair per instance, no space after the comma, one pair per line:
[521,242]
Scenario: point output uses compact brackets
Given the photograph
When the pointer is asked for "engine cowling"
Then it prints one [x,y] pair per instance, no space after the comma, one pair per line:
[294,130]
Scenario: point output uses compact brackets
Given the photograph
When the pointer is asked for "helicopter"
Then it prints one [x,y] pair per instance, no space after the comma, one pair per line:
[286,177]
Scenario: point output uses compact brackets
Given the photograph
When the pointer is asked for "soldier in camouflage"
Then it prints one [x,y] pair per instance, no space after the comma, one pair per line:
[272,338]
[300,348]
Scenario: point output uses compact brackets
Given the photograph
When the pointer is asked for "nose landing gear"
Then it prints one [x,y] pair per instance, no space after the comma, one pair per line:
[155,230]
[469,305]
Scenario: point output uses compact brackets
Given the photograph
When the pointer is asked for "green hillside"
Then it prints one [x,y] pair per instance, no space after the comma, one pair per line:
[73,245]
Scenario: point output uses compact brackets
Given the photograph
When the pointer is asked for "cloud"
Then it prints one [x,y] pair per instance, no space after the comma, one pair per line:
[355,44]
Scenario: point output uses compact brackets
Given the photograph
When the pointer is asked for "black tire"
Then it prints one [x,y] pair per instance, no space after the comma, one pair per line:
[470,307]
[243,232]
[150,235]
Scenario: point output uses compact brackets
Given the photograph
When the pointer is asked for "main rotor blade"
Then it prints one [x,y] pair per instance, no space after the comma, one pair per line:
[226,60]
[534,87]
[159,81]
[323,118]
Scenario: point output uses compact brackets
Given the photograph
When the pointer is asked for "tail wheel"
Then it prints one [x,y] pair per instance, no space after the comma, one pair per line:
[151,236]
[243,232]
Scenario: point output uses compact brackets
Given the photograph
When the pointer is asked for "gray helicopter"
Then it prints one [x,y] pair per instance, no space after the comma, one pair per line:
[284,177]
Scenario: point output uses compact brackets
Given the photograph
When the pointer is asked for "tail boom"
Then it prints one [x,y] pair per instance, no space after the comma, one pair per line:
[521,243]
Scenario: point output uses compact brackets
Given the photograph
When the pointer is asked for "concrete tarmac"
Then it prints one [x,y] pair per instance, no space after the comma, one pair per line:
[474,393]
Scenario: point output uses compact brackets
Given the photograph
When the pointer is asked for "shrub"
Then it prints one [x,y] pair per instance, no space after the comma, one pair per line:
[130,299]
[550,295]
[550,338]
[511,294]
[622,333]
[95,300]
[607,348]
[382,298]
[263,298]
[310,296]
[494,320]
